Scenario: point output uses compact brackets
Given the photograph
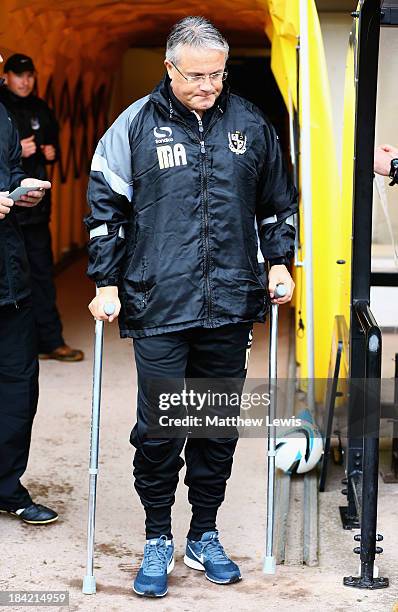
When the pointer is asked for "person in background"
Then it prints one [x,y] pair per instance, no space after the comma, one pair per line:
[19,369]
[38,131]
[386,162]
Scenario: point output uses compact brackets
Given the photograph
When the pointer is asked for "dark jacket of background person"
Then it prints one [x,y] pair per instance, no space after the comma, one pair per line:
[173,209]
[33,117]
[14,267]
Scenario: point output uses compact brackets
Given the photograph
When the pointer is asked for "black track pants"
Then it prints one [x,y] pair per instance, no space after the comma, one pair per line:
[18,400]
[48,323]
[193,353]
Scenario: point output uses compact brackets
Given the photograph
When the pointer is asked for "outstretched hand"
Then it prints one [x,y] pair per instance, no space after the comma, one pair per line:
[383,156]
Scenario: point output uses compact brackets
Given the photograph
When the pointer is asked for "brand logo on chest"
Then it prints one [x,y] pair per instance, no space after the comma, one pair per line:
[163,135]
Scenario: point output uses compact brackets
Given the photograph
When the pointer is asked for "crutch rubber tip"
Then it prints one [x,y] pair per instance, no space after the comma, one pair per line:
[269,565]
[89,585]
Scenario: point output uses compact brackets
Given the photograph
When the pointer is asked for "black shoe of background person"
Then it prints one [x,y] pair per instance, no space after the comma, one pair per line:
[35,514]
[64,353]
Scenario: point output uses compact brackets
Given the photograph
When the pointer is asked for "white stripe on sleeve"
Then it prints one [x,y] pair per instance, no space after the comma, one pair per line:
[102,230]
[114,181]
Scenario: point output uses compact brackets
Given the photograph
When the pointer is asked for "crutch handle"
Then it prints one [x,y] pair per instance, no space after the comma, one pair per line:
[109,308]
[280,291]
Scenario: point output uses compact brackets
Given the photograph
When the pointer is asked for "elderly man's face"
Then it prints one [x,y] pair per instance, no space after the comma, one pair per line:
[198,96]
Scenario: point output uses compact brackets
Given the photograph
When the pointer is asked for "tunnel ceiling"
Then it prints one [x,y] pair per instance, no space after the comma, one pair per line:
[68,38]
[110,24]
[146,23]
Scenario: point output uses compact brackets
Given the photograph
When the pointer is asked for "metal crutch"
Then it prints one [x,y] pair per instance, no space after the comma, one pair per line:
[269,560]
[89,584]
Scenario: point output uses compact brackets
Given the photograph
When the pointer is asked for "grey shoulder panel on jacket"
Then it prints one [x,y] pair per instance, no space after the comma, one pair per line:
[126,118]
[112,156]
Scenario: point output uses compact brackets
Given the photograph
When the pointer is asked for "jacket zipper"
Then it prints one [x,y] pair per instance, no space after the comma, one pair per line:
[205,200]
[204,192]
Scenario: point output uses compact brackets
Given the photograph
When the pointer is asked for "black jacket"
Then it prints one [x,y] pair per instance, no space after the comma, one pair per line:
[14,267]
[175,205]
[33,116]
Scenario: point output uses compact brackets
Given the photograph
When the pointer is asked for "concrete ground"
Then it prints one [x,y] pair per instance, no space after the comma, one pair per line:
[53,557]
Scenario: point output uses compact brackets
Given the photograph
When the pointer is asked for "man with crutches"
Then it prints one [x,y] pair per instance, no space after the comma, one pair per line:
[184,187]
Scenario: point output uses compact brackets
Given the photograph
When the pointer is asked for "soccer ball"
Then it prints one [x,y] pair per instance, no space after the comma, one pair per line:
[300,448]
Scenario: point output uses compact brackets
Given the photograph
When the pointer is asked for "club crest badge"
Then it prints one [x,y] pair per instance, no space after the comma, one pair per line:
[237,142]
[35,123]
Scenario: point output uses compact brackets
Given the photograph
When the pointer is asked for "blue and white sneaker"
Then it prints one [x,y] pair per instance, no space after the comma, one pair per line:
[158,561]
[208,555]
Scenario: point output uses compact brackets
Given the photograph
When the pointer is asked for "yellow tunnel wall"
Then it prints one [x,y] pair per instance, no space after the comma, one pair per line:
[329,217]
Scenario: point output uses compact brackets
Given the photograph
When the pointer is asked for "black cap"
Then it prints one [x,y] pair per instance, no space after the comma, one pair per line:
[19,63]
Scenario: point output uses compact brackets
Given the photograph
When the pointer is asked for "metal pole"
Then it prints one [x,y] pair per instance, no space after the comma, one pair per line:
[306,191]
[292,139]
[89,583]
[269,560]
[294,161]
[366,43]
[371,427]
[370,456]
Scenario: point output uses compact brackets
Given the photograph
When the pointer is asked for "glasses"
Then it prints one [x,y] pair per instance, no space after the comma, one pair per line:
[216,77]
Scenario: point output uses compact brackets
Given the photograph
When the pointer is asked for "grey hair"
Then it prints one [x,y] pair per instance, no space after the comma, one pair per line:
[195,32]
